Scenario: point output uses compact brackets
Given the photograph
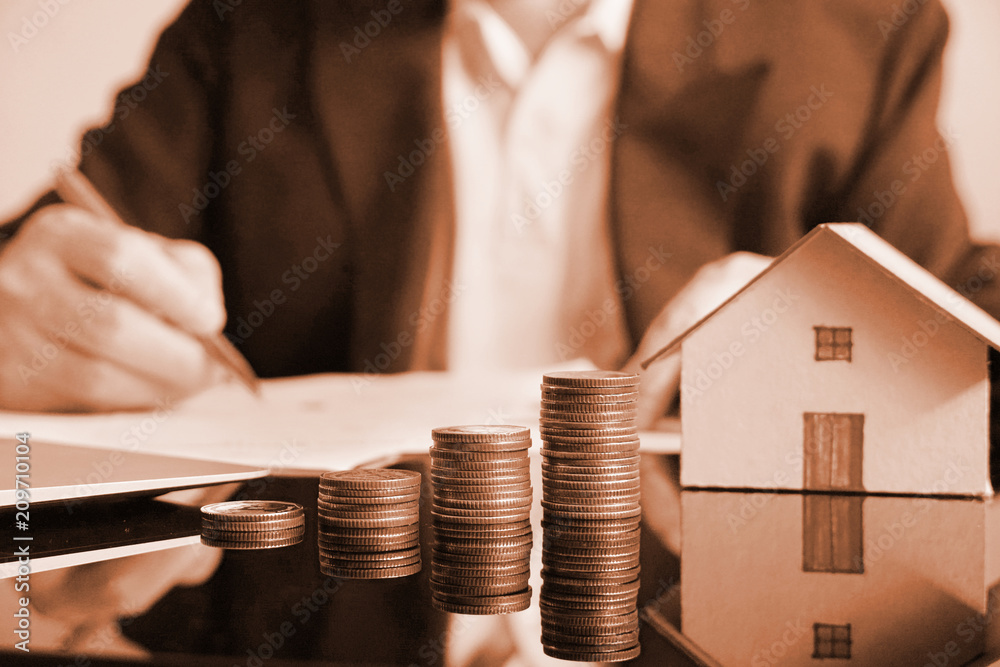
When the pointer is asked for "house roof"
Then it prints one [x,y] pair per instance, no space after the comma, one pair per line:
[871,248]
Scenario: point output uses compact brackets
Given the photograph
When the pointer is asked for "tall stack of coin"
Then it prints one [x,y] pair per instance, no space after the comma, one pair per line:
[482,529]
[590,501]
[369,523]
[252,524]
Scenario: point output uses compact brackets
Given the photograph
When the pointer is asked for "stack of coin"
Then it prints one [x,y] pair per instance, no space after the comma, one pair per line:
[369,523]
[252,524]
[590,501]
[482,529]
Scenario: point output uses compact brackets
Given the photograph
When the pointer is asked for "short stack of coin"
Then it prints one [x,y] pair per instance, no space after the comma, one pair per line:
[482,529]
[591,513]
[369,523]
[252,524]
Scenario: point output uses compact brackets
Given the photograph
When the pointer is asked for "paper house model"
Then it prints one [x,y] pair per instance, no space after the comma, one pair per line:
[807,579]
[843,366]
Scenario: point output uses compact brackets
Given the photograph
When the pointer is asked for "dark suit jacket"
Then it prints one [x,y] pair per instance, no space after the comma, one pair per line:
[827,108]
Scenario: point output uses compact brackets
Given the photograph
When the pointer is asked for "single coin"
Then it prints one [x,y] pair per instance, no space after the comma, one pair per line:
[577,458]
[397,499]
[484,483]
[584,431]
[372,573]
[371,478]
[480,456]
[476,545]
[484,466]
[483,531]
[407,515]
[516,581]
[362,508]
[252,526]
[588,408]
[559,395]
[452,495]
[279,533]
[372,556]
[518,474]
[250,510]
[597,476]
[624,461]
[508,448]
[576,621]
[484,519]
[367,544]
[598,484]
[475,591]
[596,378]
[498,556]
[388,532]
[615,576]
[592,656]
[458,569]
[559,417]
[551,611]
[479,610]
[481,433]
[552,584]
[518,598]
[491,504]
[371,564]
[585,541]
[550,636]
[344,522]
[584,633]
[248,545]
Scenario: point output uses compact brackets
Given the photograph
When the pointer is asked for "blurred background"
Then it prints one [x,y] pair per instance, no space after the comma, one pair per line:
[62,80]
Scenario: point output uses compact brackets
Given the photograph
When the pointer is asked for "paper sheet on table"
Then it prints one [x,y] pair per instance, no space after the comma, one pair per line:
[319,422]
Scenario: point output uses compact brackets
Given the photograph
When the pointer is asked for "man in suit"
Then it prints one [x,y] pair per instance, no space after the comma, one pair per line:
[321,152]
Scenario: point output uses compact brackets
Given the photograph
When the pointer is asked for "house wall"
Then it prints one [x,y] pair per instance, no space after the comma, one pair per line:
[749,374]
[746,601]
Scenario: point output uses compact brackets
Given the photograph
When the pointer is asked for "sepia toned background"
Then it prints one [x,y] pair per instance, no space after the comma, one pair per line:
[62,79]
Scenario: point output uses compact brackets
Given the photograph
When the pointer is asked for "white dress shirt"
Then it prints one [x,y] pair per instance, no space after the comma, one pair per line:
[530,145]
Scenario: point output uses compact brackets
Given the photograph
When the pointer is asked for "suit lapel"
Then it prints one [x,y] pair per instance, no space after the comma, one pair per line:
[379,108]
[680,122]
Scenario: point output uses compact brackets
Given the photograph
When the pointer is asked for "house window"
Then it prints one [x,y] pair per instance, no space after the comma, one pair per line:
[831,641]
[833,343]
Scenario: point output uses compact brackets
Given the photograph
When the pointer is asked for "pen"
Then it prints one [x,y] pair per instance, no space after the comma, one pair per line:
[74,188]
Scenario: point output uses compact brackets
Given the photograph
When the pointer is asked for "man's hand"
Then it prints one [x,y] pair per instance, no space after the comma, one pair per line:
[707,290]
[95,315]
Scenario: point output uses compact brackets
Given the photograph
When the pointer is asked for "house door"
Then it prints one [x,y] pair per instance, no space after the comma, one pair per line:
[832,450]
